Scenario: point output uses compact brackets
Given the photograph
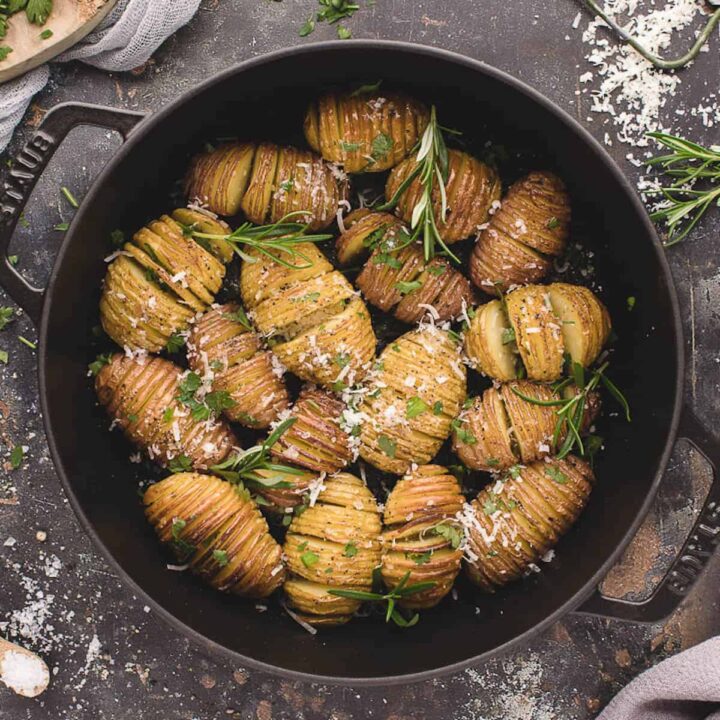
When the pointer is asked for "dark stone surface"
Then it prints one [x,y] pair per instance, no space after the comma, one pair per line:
[143,668]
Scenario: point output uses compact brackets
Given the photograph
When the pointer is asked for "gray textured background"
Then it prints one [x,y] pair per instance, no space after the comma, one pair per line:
[147,670]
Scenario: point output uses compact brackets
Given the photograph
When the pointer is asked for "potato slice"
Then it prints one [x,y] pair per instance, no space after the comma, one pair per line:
[334,543]
[208,223]
[490,344]
[364,230]
[514,523]
[369,132]
[537,332]
[219,178]
[218,530]
[532,426]
[472,187]
[585,321]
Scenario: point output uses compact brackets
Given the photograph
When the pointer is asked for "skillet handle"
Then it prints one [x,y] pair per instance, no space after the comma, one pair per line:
[26,170]
[687,567]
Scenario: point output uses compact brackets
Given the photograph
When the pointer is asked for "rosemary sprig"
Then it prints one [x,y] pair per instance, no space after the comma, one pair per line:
[273,240]
[390,598]
[571,411]
[687,164]
[242,468]
[432,170]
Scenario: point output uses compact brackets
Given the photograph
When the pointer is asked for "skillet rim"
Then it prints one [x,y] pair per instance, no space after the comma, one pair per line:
[451,57]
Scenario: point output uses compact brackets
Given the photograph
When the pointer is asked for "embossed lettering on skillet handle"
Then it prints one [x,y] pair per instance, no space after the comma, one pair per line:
[24,172]
[701,544]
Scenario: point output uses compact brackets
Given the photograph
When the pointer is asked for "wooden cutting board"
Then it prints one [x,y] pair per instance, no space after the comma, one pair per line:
[70,21]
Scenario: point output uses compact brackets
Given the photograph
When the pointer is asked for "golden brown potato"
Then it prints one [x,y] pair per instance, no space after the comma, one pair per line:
[532,224]
[315,324]
[227,349]
[501,428]
[218,529]
[155,286]
[490,342]
[364,229]
[315,440]
[144,398]
[334,543]
[584,321]
[472,187]
[285,180]
[218,179]
[421,536]
[538,333]
[368,132]
[516,521]
[418,391]
[400,281]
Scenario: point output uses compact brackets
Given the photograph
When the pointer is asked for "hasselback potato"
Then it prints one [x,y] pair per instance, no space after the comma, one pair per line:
[472,187]
[514,522]
[217,528]
[267,182]
[222,344]
[157,283]
[402,282]
[501,428]
[315,440]
[315,323]
[332,544]
[418,390]
[144,397]
[421,536]
[367,132]
[536,328]
[530,227]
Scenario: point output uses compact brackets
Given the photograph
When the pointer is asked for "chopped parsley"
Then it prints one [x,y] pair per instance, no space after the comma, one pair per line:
[415,407]
[387,445]
[309,558]
[437,408]
[6,317]
[61,227]
[169,414]
[490,506]
[463,435]
[493,462]
[450,533]
[239,316]
[344,33]
[557,475]
[175,343]
[349,146]
[508,336]
[421,558]
[385,258]
[220,557]
[182,546]
[631,303]
[117,238]
[3,357]
[342,359]
[382,145]
[408,287]
[99,363]
[350,550]
[437,270]
[17,455]
[180,463]
[552,223]
[5,50]
[46,34]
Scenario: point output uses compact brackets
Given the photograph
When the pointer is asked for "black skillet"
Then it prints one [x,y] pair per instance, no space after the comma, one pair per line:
[262,98]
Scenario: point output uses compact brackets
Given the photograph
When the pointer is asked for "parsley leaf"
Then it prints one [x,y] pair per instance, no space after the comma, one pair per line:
[239,316]
[450,533]
[382,144]
[175,343]
[349,146]
[180,463]
[99,363]
[407,287]
[6,317]
[307,27]
[421,558]
[350,550]
[463,435]
[220,557]
[3,357]
[309,558]
[415,407]
[17,454]
[552,223]
[5,50]
[437,408]
[387,445]
[508,336]
[555,474]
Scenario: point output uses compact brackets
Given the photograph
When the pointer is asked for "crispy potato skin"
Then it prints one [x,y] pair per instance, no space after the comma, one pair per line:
[524,519]
[138,391]
[421,370]
[530,227]
[219,531]
[285,180]
[381,281]
[156,285]
[316,325]
[421,501]
[332,544]
[218,179]
[220,345]
[472,188]
[315,440]
[367,132]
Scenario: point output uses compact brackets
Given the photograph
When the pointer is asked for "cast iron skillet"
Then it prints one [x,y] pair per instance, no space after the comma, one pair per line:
[261,98]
